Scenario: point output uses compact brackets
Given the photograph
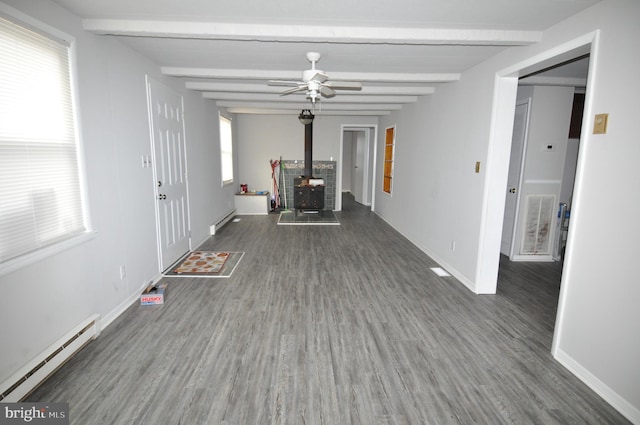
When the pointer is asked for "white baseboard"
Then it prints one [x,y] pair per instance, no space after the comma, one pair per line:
[625,408]
[108,318]
[28,377]
[21,383]
[224,220]
[533,258]
[448,267]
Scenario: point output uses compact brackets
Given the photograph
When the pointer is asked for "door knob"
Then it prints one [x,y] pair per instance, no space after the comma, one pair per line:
[513,190]
[162,197]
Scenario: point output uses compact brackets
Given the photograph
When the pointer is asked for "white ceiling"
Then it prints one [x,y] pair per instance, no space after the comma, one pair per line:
[399,49]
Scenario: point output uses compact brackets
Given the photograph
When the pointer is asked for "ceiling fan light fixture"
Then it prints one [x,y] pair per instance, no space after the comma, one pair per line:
[306,117]
[315,83]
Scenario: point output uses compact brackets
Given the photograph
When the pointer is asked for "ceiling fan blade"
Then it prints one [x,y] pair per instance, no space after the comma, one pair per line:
[284,83]
[327,91]
[320,77]
[294,89]
[344,85]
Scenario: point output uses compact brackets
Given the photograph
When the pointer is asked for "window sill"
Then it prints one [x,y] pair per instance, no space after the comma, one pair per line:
[26,260]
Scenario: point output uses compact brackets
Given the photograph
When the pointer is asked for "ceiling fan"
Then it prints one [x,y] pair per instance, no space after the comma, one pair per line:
[315,82]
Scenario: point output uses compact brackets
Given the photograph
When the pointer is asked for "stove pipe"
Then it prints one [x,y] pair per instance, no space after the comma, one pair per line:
[308,149]
[306,118]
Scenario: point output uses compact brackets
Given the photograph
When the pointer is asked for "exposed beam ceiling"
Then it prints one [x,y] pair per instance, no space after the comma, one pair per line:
[399,50]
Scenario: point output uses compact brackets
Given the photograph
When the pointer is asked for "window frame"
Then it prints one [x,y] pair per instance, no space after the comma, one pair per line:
[224,153]
[388,160]
[40,253]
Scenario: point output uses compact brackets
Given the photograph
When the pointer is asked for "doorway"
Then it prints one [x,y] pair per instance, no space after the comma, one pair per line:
[543,162]
[568,177]
[356,171]
[504,99]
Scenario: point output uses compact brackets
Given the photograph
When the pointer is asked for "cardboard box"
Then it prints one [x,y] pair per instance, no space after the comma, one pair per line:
[153,294]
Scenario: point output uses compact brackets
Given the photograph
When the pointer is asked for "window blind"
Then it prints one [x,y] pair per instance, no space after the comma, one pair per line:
[39,173]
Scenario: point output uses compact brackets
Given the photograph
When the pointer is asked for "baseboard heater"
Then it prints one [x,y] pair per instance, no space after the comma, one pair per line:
[28,378]
[227,218]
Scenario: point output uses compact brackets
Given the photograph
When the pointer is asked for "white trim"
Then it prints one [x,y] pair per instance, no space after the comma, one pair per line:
[532,258]
[18,263]
[448,267]
[107,319]
[504,100]
[29,376]
[567,270]
[497,170]
[370,141]
[35,24]
[222,117]
[603,390]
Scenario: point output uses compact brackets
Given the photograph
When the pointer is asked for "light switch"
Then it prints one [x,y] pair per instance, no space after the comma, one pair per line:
[600,123]
[477,166]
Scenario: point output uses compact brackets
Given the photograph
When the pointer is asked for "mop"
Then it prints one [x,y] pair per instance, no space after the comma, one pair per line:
[275,196]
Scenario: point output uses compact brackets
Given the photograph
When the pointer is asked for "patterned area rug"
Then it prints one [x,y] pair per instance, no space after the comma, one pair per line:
[206,264]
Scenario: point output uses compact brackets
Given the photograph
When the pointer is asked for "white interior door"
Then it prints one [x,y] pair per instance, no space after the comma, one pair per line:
[518,141]
[170,170]
[359,167]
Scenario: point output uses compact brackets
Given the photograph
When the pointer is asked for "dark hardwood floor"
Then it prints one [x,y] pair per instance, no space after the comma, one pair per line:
[331,325]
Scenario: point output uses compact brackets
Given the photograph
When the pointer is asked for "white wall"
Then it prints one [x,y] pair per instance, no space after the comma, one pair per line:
[440,138]
[265,137]
[42,302]
[209,200]
[437,196]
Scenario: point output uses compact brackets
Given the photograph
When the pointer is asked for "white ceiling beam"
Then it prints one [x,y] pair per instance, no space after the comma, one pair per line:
[301,97]
[264,88]
[261,111]
[324,106]
[256,74]
[241,110]
[311,33]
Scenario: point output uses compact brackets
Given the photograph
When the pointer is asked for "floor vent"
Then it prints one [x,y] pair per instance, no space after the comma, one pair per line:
[440,271]
[216,227]
[27,379]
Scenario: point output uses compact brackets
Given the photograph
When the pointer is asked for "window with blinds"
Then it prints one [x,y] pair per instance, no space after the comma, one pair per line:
[39,172]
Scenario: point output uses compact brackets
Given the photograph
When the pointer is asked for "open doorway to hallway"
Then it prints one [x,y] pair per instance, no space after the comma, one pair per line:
[544,148]
[356,165]
[542,166]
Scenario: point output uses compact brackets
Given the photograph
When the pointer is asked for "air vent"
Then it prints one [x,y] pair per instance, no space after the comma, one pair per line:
[538,225]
